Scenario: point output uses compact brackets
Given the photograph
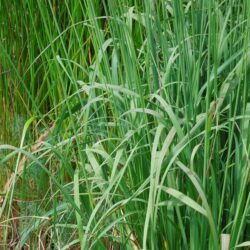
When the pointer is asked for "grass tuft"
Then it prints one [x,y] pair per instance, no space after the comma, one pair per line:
[124,124]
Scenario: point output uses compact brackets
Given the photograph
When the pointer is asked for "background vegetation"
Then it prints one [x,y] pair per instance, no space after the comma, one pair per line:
[124,124]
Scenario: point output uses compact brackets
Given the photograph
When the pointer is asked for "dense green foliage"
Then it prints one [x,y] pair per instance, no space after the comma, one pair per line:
[124,124]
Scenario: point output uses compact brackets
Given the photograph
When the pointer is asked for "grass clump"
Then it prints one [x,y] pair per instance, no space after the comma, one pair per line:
[125,124]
